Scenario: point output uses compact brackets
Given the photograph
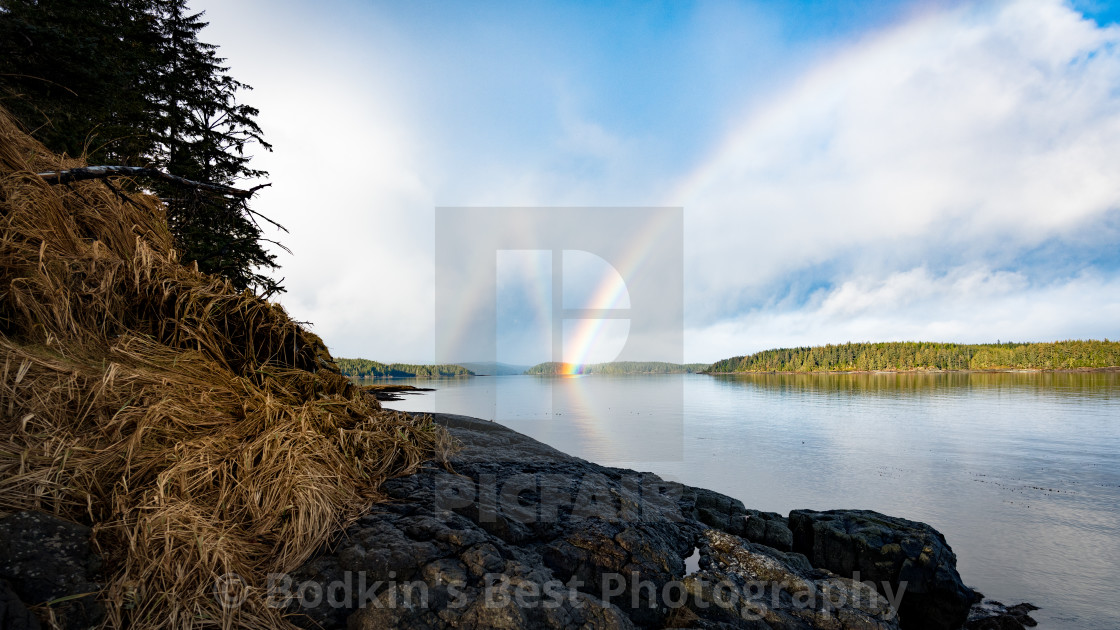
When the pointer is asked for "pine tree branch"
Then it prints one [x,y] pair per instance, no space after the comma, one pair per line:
[101,172]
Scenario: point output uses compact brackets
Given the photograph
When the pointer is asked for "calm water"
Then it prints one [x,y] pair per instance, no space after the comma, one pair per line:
[1020,471]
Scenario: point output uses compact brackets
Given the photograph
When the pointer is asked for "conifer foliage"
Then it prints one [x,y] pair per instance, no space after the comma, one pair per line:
[908,355]
[130,82]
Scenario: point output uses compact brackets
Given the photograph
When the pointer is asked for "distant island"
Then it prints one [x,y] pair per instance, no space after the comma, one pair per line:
[364,368]
[916,356]
[493,368]
[617,367]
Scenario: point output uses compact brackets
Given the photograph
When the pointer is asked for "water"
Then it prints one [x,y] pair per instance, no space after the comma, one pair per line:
[1020,471]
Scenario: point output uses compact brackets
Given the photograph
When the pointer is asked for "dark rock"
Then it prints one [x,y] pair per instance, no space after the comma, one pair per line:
[894,553]
[524,536]
[768,528]
[13,614]
[566,538]
[719,511]
[992,615]
[742,584]
[729,515]
[45,558]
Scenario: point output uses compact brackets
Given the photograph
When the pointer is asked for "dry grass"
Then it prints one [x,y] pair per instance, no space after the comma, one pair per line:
[200,430]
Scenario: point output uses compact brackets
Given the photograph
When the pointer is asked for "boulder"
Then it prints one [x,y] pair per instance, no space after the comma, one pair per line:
[894,554]
[768,528]
[44,558]
[718,510]
[747,585]
[731,516]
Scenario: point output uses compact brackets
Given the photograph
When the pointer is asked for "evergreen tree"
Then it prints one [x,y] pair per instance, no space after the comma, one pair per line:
[201,133]
[69,70]
[937,356]
[129,82]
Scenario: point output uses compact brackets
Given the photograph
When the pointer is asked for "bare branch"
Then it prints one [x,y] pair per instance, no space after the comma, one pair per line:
[101,172]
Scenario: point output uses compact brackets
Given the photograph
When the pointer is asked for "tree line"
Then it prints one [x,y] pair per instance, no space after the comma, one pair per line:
[130,83]
[1058,355]
[364,368]
[617,367]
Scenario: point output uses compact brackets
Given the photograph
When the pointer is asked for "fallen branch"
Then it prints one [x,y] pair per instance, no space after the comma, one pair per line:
[101,172]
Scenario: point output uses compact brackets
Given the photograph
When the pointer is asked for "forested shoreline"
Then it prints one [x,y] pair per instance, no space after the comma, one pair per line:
[365,368]
[918,356]
[904,356]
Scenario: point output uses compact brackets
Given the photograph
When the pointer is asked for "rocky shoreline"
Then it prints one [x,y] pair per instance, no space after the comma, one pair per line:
[524,536]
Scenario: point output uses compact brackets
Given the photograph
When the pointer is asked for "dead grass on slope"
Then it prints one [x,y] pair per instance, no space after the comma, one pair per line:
[199,429]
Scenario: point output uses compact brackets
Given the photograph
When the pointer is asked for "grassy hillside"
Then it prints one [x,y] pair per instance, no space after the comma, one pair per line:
[618,367]
[364,368]
[1058,355]
[197,428]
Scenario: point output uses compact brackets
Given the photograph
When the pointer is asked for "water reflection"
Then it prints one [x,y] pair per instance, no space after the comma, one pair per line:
[1093,384]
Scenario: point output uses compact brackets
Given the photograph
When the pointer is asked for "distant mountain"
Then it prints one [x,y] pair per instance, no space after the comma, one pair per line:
[618,367]
[494,368]
[909,355]
[364,368]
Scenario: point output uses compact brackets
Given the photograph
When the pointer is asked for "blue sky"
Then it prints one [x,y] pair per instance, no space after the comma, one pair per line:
[848,171]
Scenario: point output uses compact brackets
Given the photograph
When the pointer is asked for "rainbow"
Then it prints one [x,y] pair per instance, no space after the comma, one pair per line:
[739,144]
[587,334]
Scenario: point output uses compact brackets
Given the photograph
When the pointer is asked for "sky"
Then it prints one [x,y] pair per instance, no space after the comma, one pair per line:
[847,171]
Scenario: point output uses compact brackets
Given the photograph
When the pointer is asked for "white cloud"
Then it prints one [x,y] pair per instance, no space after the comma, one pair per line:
[346,175]
[977,132]
[967,304]
[374,128]
[926,158]
[988,121]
